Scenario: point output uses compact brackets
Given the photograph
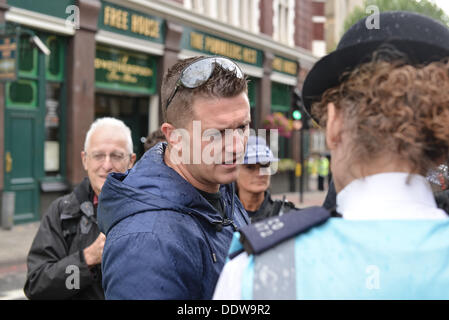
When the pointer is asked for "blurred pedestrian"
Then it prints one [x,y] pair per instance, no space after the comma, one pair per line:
[386,125]
[253,182]
[175,212]
[68,242]
[153,138]
[323,171]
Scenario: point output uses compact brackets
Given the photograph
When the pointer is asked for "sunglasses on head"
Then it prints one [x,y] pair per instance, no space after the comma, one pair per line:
[198,72]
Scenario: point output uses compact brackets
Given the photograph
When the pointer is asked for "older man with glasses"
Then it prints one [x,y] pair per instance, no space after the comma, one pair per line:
[175,212]
[65,257]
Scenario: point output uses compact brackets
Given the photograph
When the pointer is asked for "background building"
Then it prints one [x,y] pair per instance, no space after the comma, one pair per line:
[336,12]
[107,58]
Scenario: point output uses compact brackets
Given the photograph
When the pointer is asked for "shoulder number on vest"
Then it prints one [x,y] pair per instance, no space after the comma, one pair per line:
[261,236]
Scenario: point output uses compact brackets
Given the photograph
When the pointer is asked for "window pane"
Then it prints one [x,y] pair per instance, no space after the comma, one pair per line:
[52,130]
[280,96]
[27,56]
[54,59]
[21,93]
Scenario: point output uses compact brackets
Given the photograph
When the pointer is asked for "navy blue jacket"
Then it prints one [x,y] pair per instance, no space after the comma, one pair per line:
[163,239]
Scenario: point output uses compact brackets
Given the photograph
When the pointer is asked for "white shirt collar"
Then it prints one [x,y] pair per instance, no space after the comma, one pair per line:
[388,196]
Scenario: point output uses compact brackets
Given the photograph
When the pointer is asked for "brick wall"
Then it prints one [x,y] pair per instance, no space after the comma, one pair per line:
[266,17]
[318,8]
[303,24]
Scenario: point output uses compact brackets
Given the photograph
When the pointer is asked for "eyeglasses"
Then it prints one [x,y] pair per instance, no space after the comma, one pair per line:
[197,73]
[116,158]
[252,167]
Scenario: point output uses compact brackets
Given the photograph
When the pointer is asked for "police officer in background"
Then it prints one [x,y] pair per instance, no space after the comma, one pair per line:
[254,180]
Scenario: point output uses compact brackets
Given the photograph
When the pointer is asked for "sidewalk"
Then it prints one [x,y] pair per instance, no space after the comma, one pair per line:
[14,247]
[311,198]
[15,244]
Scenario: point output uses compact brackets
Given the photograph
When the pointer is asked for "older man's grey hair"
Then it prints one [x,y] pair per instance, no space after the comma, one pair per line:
[110,122]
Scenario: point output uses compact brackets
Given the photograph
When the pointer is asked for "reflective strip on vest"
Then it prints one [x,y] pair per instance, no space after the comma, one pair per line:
[271,275]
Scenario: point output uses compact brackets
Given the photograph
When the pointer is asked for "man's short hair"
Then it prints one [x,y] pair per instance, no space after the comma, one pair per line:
[110,122]
[222,84]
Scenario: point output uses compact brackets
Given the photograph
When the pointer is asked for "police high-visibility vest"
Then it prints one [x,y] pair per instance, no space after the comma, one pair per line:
[355,259]
[323,168]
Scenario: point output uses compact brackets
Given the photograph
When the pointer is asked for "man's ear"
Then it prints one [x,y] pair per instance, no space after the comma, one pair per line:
[84,159]
[334,126]
[133,160]
[168,129]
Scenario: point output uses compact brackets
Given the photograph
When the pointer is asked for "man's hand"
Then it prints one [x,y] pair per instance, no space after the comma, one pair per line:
[93,253]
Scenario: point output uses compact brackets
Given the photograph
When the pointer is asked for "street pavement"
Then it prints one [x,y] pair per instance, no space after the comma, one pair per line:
[311,198]
[14,247]
[16,242]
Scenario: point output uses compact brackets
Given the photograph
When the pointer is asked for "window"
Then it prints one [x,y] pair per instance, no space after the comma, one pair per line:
[283,21]
[252,91]
[54,147]
[240,13]
[249,14]
[52,152]
[223,8]
[199,6]
[281,95]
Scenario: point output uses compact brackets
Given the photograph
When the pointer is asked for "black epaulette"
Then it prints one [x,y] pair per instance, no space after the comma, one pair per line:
[261,236]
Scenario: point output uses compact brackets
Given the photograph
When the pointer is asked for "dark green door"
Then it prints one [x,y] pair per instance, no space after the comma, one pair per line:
[34,125]
[21,153]
[22,128]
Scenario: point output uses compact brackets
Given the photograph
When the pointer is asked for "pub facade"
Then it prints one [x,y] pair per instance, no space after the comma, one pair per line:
[65,63]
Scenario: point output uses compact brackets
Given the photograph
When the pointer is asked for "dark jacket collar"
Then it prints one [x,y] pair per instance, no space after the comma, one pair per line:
[79,201]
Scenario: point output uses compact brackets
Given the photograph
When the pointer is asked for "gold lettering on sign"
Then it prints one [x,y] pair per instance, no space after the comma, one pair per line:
[220,47]
[249,55]
[286,66]
[224,48]
[196,40]
[129,71]
[115,18]
[290,67]
[277,64]
[145,26]
[7,47]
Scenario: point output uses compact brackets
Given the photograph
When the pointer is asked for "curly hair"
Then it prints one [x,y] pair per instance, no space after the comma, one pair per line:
[394,107]
[222,83]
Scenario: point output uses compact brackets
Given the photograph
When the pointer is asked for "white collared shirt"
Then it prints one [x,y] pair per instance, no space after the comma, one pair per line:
[384,196]
[387,196]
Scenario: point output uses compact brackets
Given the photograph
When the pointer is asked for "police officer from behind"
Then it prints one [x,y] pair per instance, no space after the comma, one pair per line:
[254,180]
[68,242]
[386,125]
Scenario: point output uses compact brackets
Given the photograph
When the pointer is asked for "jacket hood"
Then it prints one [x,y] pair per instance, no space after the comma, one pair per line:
[149,186]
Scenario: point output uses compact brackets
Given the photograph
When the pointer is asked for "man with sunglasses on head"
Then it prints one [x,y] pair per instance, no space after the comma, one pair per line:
[254,180]
[169,221]
[65,257]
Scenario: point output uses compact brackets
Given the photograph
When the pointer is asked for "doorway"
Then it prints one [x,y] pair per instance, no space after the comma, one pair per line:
[132,110]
